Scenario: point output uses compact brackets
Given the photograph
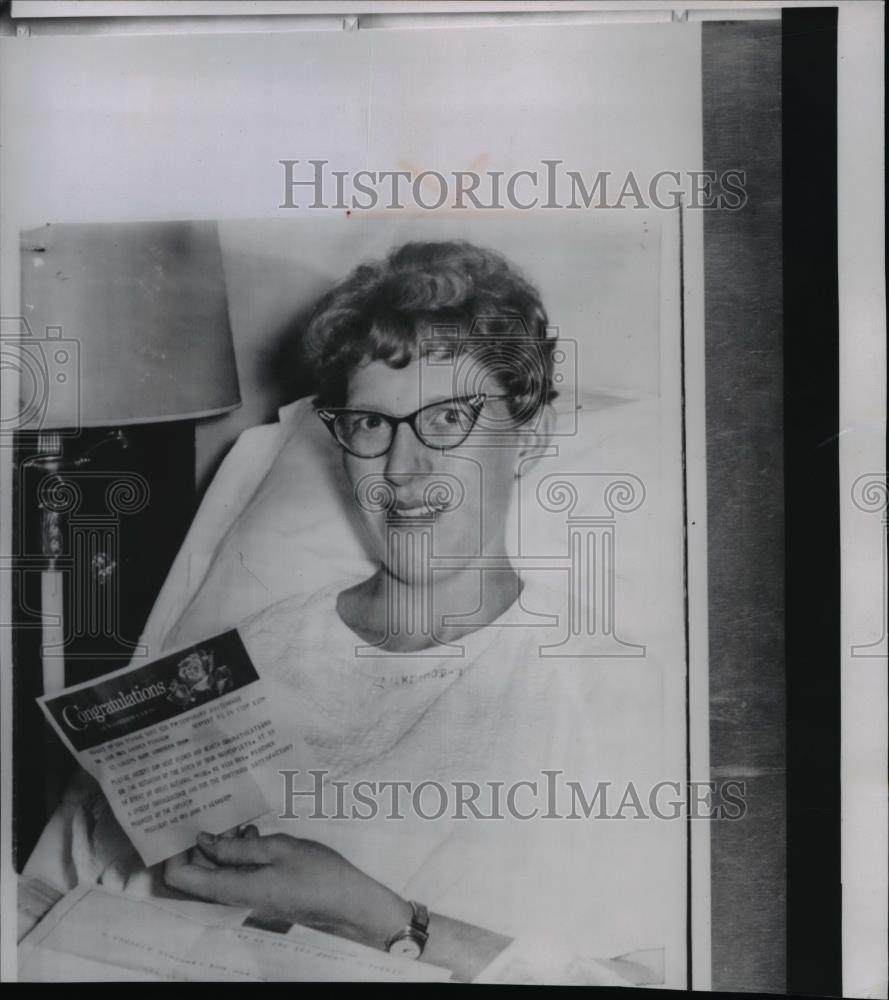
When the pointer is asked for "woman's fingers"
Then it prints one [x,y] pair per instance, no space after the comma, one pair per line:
[218,885]
[246,850]
[249,830]
[176,862]
[201,860]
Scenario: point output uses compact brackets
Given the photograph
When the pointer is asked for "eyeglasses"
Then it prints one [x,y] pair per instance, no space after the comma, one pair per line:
[442,425]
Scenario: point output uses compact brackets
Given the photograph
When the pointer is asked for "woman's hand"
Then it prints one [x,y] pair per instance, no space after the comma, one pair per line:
[283,878]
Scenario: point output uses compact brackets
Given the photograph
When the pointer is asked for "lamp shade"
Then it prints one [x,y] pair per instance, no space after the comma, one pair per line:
[128,323]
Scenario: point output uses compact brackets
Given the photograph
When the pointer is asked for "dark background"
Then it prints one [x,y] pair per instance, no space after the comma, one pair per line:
[812,500]
[146,542]
[743,297]
[771,299]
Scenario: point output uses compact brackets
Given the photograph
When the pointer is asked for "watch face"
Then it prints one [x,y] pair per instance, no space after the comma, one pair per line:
[405,947]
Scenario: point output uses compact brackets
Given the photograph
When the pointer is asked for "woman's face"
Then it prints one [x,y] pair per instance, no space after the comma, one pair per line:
[462,495]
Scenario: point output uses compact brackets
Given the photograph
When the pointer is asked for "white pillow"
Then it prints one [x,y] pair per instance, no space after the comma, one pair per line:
[279,520]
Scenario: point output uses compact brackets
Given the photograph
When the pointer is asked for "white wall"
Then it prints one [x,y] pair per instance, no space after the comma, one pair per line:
[126,128]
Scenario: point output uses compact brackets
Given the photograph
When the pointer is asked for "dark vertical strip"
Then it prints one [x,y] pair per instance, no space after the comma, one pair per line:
[811,414]
[741,80]
[689,887]
[29,730]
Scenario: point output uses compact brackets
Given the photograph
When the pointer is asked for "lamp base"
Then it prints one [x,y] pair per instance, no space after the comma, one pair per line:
[99,518]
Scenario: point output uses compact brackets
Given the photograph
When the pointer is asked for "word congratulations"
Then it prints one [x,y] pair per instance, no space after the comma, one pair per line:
[78,719]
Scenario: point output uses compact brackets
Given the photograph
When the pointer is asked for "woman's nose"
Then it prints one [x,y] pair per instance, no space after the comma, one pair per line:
[408,455]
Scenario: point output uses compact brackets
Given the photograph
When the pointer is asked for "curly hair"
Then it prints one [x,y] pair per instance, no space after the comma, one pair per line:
[471,298]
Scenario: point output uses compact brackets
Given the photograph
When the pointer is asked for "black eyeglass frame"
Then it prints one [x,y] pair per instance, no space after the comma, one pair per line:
[328,415]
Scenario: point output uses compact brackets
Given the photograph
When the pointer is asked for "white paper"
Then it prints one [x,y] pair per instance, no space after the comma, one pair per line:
[184,744]
[106,931]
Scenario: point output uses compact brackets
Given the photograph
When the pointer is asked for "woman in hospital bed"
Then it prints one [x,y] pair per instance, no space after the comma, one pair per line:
[434,373]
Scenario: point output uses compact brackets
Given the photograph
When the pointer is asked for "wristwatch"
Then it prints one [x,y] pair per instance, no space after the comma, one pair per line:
[410,941]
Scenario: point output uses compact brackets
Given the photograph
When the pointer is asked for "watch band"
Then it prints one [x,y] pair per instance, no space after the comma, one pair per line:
[417,930]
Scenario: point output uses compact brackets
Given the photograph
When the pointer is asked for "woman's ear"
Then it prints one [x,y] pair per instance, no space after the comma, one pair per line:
[536,437]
